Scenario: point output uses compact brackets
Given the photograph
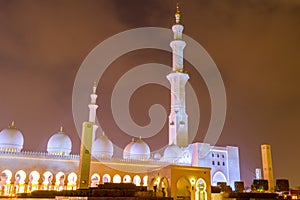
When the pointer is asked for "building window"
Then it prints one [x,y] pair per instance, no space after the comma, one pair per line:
[213,162]
[212,155]
[218,163]
[223,163]
[223,156]
[218,155]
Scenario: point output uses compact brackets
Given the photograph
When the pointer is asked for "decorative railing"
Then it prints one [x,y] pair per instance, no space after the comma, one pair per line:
[32,154]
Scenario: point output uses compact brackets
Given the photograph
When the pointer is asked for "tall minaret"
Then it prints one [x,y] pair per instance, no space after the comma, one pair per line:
[93,108]
[178,119]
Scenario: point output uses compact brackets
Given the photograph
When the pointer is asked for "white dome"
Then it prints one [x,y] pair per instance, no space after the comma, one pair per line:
[157,156]
[102,147]
[138,150]
[126,151]
[11,139]
[59,144]
[172,153]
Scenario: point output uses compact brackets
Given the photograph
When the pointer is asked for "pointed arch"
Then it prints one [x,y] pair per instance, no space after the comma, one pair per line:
[126,179]
[117,178]
[19,183]
[106,178]
[60,181]
[95,180]
[33,184]
[137,180]
[201,193]
[47,180]
[164,186]
[72,179]
[218,177]
[183,187]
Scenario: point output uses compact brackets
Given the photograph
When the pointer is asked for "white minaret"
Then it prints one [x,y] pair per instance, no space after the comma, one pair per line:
[93,108]
[178,119]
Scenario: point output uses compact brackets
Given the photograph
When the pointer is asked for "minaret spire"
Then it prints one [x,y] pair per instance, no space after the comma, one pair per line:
[178,119]
[177,14]
[93,108]
[94,87]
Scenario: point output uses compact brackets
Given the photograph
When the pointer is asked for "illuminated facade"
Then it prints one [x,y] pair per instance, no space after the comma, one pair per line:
[184,170]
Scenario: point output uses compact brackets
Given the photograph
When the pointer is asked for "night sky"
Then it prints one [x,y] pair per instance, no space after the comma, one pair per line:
[254,43]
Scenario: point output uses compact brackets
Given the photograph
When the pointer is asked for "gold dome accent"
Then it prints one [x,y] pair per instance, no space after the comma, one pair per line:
[12,124]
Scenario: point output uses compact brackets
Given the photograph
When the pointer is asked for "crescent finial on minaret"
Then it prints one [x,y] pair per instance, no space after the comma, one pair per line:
[94,87]
[61,129]
[177,14]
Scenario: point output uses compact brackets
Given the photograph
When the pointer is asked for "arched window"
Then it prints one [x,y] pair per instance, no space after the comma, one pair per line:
[72,179]
[106,178]
[137,180]
[20,181]
[47,180]
[117,178]
[33,184]
[95,179]
[145,181]
[201,193]
[60,181]
[126,179]
[5,179]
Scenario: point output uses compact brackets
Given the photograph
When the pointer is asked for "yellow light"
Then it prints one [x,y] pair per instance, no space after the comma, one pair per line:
[192,181]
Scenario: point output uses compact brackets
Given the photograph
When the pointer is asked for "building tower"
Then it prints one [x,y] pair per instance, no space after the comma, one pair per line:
[93,108]
[88,135]
[178,119]
[267,165]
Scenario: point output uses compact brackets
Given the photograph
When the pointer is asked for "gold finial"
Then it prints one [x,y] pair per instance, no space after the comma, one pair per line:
[94,87]
[177,14]
[132,140]
[12,124]
[61,129]
[140,138]
[103,133]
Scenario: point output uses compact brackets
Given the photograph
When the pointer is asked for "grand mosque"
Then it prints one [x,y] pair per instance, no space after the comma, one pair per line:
[181,170]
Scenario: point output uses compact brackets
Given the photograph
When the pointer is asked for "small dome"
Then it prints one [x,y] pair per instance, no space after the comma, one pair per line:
[102,148]
[157,156]
[172,153]
[11,139]
[126,151]
[138,150]
[59,144]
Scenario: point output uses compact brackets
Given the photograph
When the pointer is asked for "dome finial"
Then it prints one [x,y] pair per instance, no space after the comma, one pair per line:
[140,138]
[61,129]
[12,124]
[177,14]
